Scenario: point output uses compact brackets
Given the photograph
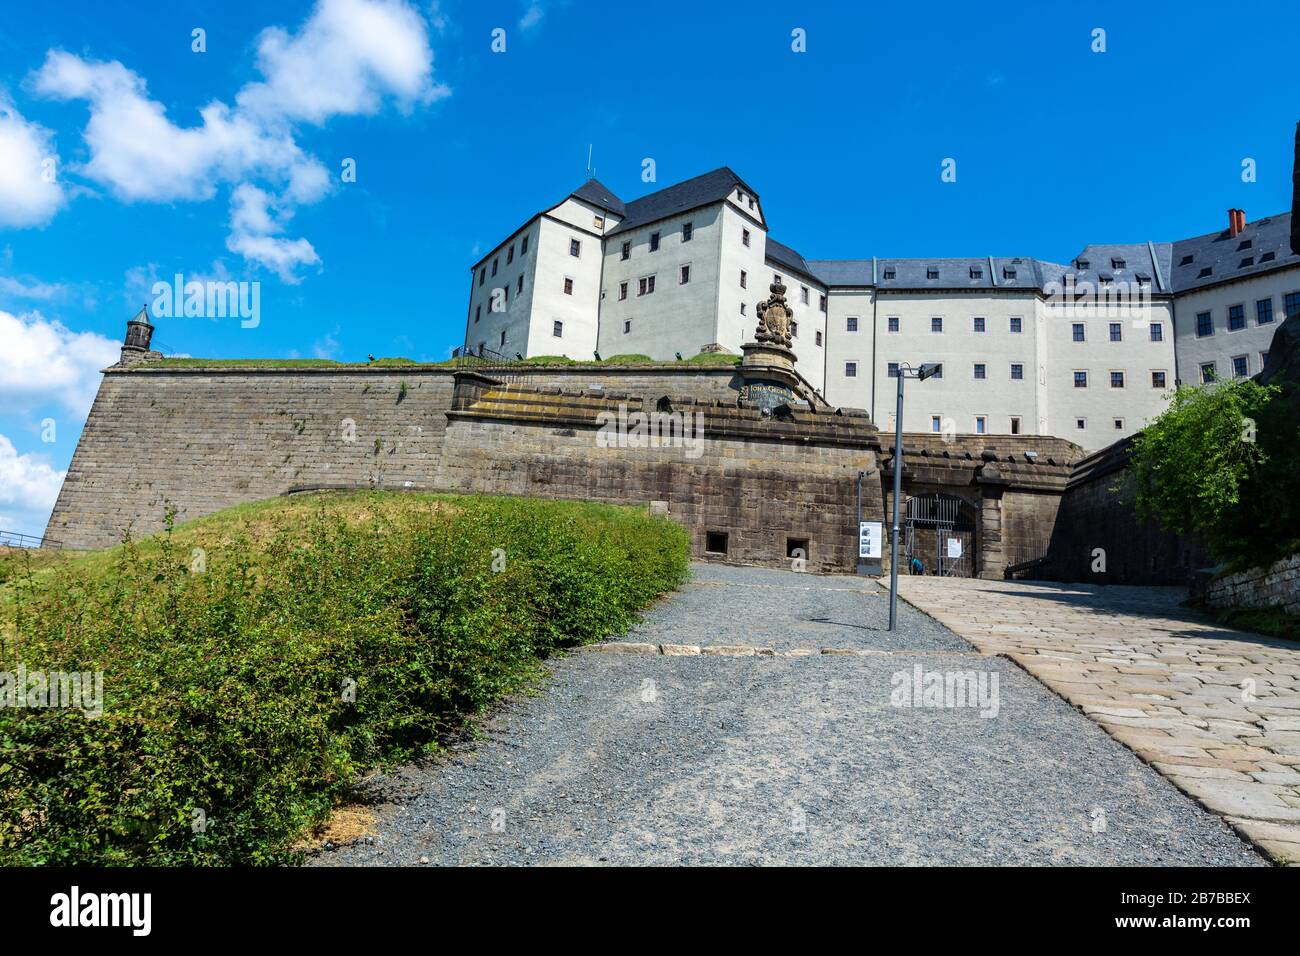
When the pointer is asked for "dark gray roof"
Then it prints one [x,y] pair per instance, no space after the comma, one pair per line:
[787,258]
[598,194]
[1225,258]
[982,273]
[1129,263]
[708,188]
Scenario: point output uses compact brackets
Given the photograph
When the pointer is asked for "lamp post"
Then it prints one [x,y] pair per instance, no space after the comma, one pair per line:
[920,374]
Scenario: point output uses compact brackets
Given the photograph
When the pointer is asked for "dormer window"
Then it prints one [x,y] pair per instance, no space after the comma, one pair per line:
[1247,262]
[1266,257]
[1081,264]
[932,273]
[1143,278]
[1206,272]
[1117,263]
[1244,244]
[890,272]
[1008,273]
[1187,260]
[976,272]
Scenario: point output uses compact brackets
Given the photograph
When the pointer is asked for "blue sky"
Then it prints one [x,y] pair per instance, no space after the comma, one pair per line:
[454,145]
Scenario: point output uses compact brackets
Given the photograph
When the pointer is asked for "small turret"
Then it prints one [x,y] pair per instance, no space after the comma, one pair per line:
[139,333]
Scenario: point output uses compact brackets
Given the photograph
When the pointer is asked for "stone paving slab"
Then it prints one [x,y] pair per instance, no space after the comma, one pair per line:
[1215,710]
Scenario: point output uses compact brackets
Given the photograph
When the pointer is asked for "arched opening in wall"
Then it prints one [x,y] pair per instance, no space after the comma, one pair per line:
[939,536]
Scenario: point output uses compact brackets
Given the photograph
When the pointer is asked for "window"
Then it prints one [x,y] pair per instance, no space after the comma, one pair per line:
[627,251]
[851,369]
[1017,371]
[1236,318]
[523,246]
[575,248]
[505,293]
[519,286]
[1157,332]
[645,285]
[744,236]
[1263,358]
[744,279]
[981,424]
[598,222]
[893,370]
[1204,324]
[742,309]
[1186,260]
[1157,379]
[715,542]
[494,267]
[740,195]
[803,294]
[503,338]
[794,330]
[818,338]
[627,326]
[1015,323]
[1080,379]
[510,254]
[686,275]
[1081,265]
[822,304]
[482,274]
[1264,311]
[776,279]
[1076,331]
[622,291]
[1015,424]
[891,324]
[938,370]
[980,370]
[557,329]
[851,324]
[936,324]
[478,310]
[1240,366]
[976,272]
[1119,424]
[978,323]
[1208,373]
[654,242]
[1117,263]
[890,272]
[688,231]
[1008,272]
[1116,379]
[1116,332]
[1291,304]
[932,273]
[1081,424]
[568,286]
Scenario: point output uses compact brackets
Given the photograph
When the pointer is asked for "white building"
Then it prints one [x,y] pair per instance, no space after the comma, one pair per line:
[1086,351]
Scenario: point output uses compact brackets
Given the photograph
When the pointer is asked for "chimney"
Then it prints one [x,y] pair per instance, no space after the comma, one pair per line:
[139,333]
[1236,221]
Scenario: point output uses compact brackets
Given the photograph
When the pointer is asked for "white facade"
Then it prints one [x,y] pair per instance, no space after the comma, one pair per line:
[683,269]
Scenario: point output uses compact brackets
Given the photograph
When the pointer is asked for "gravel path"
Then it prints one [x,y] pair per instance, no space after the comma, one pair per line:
[649,759]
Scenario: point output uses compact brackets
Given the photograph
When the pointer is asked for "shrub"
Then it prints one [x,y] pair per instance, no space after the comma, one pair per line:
[1220,464]
[325,635]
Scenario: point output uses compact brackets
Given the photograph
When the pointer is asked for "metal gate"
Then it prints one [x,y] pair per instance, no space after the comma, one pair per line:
[939,532]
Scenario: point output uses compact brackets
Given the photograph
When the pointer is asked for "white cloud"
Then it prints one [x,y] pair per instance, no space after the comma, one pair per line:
[254,230]
[43,362]
[30,193]
[17,288]
[532,16]
[28,490]
[344,60]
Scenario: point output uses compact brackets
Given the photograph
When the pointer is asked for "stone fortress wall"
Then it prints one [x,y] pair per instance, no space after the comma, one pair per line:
[200,439]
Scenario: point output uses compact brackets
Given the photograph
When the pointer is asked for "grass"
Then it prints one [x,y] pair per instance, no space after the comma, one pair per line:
[257,661]
[704,358]
[1272,621]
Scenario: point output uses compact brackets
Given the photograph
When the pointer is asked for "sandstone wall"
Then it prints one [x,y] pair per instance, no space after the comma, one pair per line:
[1275,586]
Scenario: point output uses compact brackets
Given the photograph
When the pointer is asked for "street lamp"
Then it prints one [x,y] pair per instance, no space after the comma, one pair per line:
[920,374]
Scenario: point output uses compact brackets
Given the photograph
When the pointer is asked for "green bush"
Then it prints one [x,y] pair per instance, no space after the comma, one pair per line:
[1223,463]
[227,691]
